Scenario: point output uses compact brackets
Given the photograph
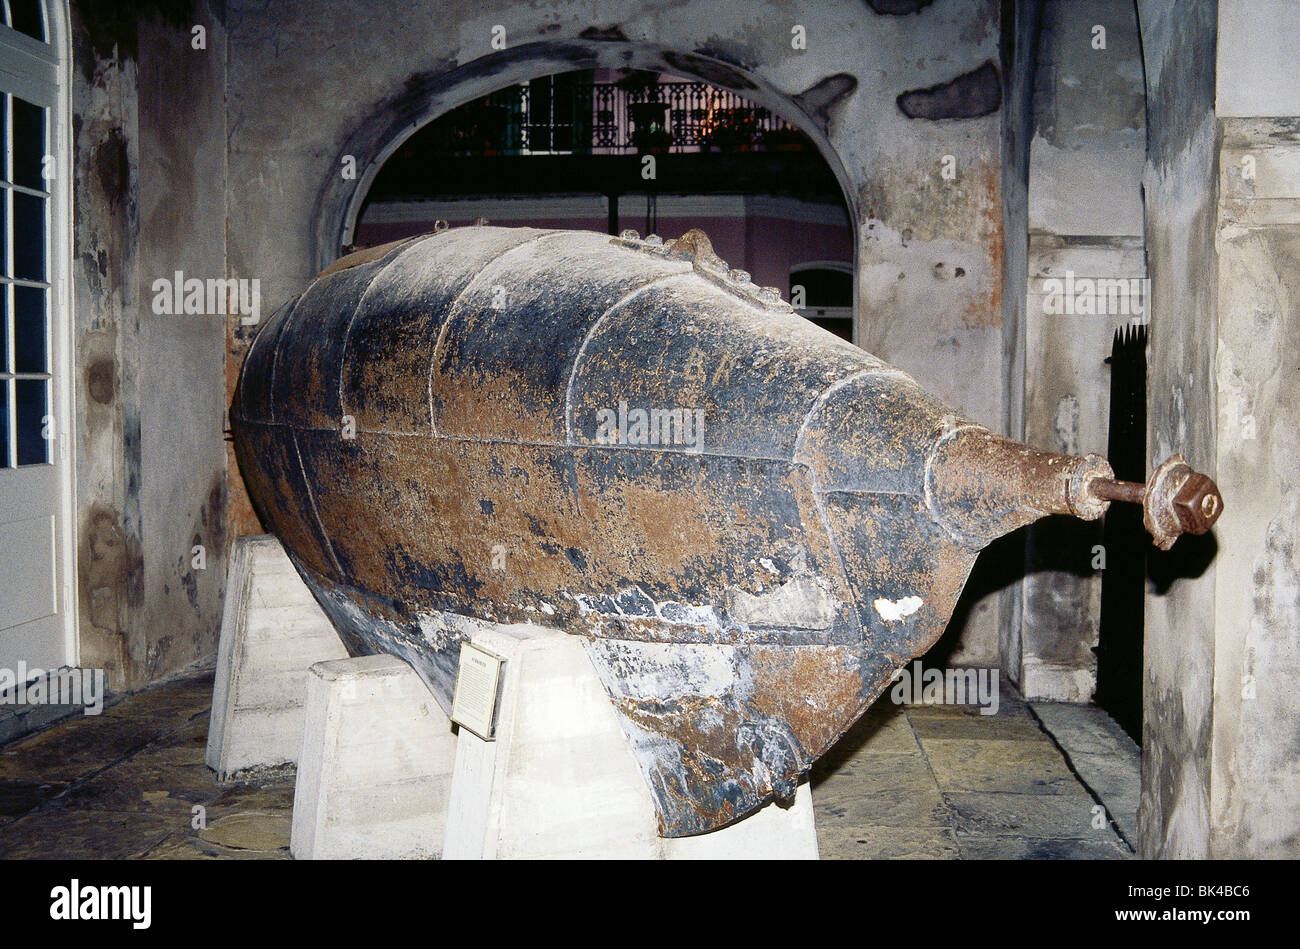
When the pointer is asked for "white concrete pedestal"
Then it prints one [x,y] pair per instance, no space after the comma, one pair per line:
[560,779]
[382,774]
[374,774]
[272,630]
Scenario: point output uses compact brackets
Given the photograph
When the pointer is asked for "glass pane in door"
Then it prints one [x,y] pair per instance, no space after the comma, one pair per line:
[32,411]
[30,144]
[31,343]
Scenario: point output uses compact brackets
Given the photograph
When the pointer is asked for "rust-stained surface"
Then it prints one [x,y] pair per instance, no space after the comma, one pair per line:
[422,428]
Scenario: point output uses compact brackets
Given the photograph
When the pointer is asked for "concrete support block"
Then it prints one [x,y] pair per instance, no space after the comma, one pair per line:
[272,631]
[374,773]
[560,780]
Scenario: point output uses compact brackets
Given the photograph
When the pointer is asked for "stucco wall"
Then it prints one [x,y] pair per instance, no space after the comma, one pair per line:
[1220,775]
[1178,40]
[149,394]
[1255,764]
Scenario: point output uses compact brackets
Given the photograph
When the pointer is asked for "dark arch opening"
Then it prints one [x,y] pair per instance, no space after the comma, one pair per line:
[426,96]
[608,149]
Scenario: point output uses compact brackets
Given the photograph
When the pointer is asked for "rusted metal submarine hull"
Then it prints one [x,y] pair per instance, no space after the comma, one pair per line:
[427,429]
[728,688]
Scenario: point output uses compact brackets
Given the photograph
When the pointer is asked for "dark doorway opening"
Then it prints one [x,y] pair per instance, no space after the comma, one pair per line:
[604,150]
[1123,581]
[824,294]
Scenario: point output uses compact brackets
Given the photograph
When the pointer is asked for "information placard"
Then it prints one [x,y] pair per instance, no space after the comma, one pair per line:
[475,704]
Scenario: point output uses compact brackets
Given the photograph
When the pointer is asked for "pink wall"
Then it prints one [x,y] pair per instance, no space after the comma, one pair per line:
[773,246]
[767,247]
[368,235]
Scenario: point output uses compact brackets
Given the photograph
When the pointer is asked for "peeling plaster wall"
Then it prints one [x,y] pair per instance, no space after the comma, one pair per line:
[1085,220]
[294,114]
[1255,768]
[149,154]
[109,565]
[1220,775]
[182,386]
[1255,797]
[1180,181]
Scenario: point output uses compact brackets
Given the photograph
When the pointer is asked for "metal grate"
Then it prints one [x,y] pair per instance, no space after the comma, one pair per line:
[564,115]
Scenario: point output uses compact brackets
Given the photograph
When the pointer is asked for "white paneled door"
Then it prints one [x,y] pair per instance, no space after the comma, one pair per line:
[35,575]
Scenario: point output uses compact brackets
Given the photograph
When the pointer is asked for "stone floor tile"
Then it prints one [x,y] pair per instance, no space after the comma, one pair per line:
[68,833]
[22,797]
[1084,729]
[72,750]
[914,711]
[1001,726]
[251,797]
[869,772]
[1031,767]
[168,705]
[182,846]
[891,843]
[146,783]
[896,808]
[1000,814]
[187,746]
[876,732]
[1103,756]
[1117,782]
[1048,848]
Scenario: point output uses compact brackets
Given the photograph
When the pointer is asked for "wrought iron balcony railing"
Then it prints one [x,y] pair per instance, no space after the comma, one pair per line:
[558,115]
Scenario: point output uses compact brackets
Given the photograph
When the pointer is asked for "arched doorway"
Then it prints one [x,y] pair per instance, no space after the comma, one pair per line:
[374,142]
[606,150]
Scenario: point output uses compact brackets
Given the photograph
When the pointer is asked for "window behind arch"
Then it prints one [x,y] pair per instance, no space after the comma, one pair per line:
[823,293]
